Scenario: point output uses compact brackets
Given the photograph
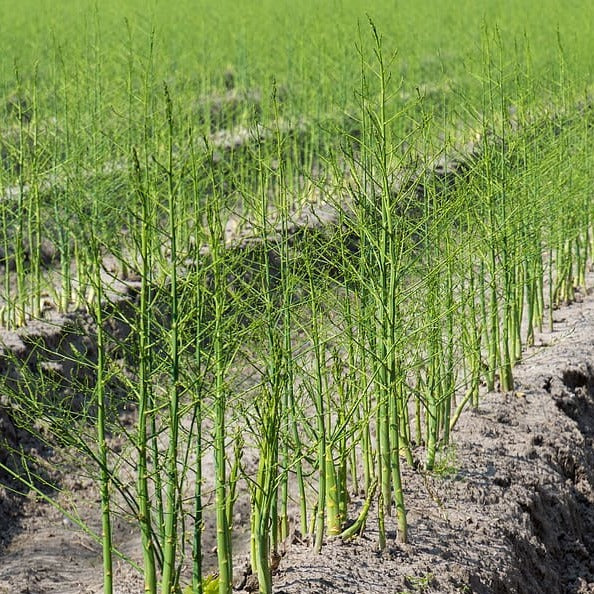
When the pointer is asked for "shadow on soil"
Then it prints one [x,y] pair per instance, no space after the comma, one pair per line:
[559,554]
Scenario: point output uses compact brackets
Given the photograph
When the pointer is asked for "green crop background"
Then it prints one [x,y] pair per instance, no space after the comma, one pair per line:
[307,46]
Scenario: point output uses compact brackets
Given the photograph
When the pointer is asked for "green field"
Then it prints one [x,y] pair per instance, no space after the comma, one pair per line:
[308,235]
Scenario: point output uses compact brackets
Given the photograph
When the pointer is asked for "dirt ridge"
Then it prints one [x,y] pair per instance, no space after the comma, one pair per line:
[512,510]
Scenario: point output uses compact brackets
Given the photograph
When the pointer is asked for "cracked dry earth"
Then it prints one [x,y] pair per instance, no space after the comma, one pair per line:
[512,510]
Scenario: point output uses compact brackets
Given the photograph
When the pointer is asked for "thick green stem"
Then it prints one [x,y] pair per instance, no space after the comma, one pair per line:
[171,512]
[144,393]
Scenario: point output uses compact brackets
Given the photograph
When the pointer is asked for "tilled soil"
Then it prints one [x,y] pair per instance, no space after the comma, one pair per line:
[511,510]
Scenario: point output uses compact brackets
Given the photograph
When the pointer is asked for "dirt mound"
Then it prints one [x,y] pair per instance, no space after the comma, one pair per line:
[511,508]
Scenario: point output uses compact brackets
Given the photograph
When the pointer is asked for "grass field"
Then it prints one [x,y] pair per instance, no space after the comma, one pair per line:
[299,238]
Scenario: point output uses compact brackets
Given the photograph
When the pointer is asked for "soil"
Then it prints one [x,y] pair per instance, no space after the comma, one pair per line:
[511,509]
